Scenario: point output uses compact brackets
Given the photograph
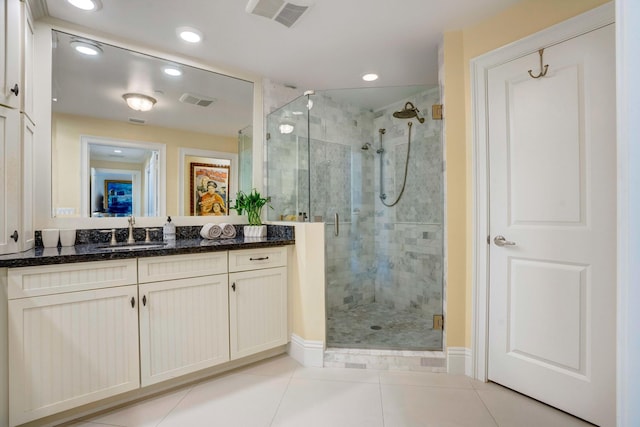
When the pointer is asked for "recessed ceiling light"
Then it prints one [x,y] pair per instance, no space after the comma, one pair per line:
[54,99]
[86,48]
[171,71]
[190,35]
[117,151]
[370,77]
[89,5]
[297,113]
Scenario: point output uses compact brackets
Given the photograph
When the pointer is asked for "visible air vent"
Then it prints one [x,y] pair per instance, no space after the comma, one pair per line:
[290,13]
[135,121]
[191,98]
[283,12]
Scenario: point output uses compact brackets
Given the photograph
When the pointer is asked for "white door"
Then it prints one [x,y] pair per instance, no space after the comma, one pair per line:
[552,174]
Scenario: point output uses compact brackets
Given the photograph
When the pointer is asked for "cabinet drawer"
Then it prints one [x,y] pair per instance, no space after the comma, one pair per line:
[54,279]
[171,267]
[252,259]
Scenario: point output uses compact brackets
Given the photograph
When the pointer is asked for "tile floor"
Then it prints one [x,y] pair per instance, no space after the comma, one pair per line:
[378,326]
[280,392]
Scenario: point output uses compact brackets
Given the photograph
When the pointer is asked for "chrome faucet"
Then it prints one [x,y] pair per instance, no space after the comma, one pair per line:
[131,220]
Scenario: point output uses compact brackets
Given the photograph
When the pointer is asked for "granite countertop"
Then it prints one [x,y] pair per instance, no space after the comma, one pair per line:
[101,251]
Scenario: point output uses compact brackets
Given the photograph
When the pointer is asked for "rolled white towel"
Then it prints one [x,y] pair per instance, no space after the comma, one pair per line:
[228,230]
[210,231]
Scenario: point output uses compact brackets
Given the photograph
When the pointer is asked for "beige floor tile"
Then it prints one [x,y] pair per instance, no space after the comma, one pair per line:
[413,406]
[511,409]
[234,400]
[313,403]
[426,379]
[86,424]
[146,413]
[279,365]
[338,374]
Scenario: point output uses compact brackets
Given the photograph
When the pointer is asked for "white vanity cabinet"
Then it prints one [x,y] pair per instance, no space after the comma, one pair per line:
[16,126]
[73,336]
[184,315]
[82,332]
[257,300]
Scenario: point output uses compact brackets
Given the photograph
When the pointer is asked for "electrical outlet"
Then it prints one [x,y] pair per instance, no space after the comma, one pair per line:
[438,322]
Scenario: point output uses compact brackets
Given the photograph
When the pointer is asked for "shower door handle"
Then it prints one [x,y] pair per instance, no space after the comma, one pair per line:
[336,224]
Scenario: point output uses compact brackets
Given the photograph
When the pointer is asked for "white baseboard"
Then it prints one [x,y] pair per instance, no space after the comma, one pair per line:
[309,354]
[459,361]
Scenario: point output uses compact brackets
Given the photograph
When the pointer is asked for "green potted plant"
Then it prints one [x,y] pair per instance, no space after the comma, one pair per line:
[252,204]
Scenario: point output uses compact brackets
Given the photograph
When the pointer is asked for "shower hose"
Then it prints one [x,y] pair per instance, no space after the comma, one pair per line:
[406,168]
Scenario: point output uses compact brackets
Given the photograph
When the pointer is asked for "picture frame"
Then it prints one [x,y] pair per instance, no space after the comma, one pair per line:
[118,197]
[209,189]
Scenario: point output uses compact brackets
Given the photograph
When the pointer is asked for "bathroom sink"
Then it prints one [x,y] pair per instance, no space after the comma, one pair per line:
[132,247]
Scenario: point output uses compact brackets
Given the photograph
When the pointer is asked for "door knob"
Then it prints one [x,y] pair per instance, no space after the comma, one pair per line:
[501,241]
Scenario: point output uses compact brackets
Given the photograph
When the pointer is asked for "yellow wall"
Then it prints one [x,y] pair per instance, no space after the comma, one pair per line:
[514,23]
[65,153]
[306,282]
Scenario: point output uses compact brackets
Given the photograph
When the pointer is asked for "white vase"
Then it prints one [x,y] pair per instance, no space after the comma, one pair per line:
[255,230]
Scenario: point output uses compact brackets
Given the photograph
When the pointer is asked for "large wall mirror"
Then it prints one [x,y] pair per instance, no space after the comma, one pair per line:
[137,134]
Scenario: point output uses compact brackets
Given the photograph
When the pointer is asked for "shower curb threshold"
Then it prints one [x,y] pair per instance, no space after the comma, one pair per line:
[392,360]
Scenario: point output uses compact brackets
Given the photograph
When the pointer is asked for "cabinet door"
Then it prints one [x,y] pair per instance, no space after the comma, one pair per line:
[9,179]
[184,326]
[257,310]
[67,350]
[10,53]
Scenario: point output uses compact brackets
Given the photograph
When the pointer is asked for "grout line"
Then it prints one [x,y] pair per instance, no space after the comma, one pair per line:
[486,407]
[176,405]
[275,413]
[381,401]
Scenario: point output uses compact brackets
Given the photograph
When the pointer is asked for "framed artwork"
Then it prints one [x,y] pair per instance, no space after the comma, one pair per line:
[209,189]
[118,197]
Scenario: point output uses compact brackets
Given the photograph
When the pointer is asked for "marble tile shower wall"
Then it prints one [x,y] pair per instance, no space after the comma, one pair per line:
[341,179]
[409,236]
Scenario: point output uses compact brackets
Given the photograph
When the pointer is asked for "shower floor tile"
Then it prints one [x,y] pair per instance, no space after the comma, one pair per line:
[377,326]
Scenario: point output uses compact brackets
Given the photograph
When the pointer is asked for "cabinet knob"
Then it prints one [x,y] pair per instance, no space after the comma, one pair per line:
[144,300]
[133,302]
[15,90]
[233,286]
[14,236]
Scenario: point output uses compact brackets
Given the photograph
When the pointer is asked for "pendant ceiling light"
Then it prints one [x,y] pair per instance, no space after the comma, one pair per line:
[139,102]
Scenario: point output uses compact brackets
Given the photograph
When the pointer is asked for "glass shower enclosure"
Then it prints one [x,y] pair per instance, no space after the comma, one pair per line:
[341,157]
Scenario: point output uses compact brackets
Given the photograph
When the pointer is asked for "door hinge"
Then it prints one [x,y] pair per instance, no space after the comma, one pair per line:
[438,322]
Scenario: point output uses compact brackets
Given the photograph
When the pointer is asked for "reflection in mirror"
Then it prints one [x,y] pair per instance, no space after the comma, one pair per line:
[193,109]
[245,150]
[124,178]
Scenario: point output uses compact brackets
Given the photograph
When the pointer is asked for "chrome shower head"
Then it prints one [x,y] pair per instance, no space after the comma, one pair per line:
[366,146]
[409,112]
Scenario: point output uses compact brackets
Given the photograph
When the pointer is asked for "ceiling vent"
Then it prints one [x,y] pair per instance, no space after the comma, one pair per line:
[135,121]
[278,10]
[192,98]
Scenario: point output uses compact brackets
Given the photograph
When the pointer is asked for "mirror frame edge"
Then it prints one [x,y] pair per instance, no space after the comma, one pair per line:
[43,209]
